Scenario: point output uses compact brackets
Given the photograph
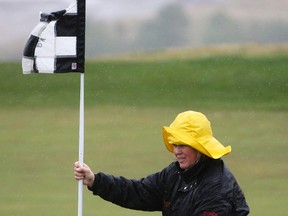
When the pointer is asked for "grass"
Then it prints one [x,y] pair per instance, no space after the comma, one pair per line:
[127,103]
[39,148]
[219,82]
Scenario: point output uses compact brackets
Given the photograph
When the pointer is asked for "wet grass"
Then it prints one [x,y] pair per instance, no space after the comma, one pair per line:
[39,147]
[217,82]
[127,103]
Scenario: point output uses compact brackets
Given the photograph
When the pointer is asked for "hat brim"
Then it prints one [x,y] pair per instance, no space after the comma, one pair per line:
[210,147]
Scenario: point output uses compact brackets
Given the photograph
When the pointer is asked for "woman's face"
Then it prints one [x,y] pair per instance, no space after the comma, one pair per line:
[186,156]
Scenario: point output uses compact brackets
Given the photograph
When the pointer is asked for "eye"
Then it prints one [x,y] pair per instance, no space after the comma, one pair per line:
[178,146]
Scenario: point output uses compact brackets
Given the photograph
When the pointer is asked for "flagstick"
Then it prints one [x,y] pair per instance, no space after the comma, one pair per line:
[81,144]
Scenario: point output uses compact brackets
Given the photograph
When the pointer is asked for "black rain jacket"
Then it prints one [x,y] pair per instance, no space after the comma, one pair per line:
[207,189]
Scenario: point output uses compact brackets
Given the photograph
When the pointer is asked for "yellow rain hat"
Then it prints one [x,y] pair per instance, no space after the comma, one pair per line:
[193,129]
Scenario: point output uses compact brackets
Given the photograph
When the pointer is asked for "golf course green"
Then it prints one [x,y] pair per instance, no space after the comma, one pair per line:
[127,101]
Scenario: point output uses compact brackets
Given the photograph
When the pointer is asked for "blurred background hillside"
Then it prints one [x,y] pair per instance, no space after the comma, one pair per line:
[133,26]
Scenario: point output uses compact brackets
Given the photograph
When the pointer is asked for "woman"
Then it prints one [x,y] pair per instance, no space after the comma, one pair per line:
[197,184]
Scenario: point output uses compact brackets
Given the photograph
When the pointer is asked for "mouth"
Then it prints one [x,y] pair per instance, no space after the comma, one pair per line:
[180,159]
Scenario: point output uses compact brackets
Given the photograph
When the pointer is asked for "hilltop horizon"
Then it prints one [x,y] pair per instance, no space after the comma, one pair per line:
[130,16]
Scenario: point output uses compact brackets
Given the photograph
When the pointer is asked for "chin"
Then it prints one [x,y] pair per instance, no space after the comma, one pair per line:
[182,166]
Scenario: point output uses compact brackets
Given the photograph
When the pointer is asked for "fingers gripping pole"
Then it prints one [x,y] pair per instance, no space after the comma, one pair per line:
[81,144]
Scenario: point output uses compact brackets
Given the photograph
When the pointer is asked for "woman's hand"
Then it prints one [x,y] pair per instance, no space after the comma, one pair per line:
[83,173]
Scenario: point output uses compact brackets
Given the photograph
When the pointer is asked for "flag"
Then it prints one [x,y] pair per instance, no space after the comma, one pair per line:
[57,43]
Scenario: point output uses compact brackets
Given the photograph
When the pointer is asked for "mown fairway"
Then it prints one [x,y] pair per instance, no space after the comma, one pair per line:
[127,103]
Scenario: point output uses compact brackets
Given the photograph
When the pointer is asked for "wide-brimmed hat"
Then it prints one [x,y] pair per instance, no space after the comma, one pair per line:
[193,129]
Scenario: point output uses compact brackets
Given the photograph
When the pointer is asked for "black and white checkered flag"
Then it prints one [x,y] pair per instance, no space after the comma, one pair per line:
[57,43]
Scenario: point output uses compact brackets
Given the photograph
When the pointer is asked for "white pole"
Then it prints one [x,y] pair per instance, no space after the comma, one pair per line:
[81,144]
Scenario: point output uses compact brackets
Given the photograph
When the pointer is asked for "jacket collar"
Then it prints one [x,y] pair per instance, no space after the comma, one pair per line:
[193,172]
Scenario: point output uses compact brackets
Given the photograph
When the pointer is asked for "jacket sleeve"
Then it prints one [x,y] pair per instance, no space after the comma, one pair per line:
[143,194]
